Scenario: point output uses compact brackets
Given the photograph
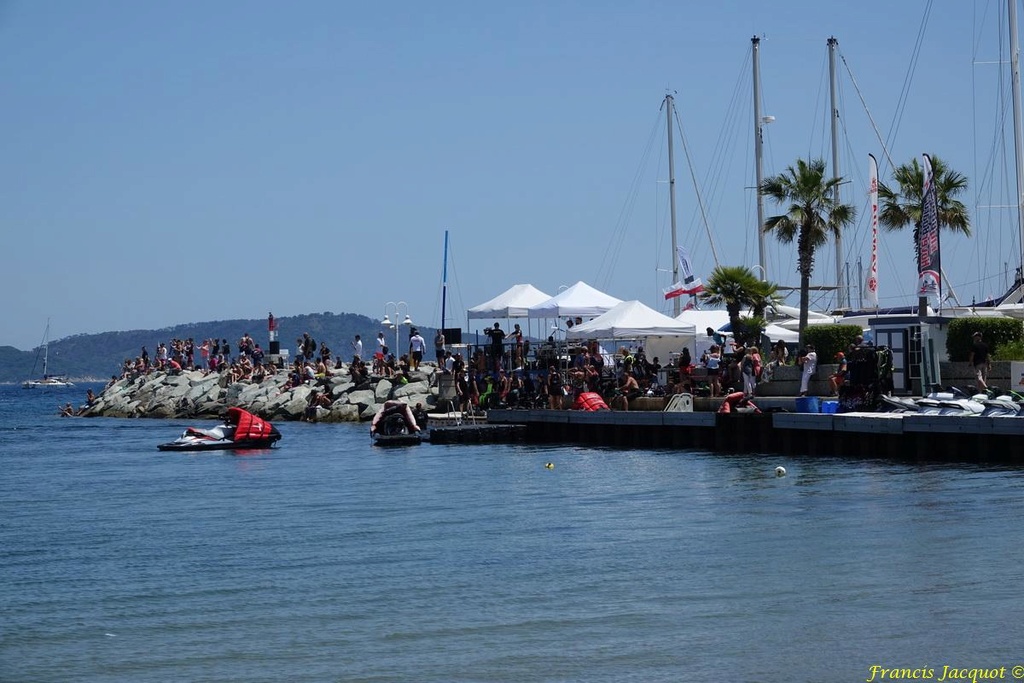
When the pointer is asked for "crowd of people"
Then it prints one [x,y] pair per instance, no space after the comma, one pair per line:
[214,356]
[498,374]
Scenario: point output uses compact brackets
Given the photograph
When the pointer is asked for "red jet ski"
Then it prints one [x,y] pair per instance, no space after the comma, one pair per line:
[241,429]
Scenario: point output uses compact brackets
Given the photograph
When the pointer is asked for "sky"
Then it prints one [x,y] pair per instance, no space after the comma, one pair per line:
[168,163]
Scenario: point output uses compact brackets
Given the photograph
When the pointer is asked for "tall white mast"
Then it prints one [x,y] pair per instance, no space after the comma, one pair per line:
[759,173]
[669,109]
[832,44]
[1017,131]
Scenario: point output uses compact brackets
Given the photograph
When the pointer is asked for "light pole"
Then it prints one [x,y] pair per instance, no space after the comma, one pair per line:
[386,322]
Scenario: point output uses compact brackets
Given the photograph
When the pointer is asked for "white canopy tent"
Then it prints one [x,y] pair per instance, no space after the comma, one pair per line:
[702,320]
[631,320]
[659,334]
[514,302]
[580,300]
[717,320]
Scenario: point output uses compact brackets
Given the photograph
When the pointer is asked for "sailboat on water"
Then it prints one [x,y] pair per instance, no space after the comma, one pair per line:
[47,380]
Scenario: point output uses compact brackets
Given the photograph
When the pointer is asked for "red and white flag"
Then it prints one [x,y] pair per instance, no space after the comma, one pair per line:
[689,284]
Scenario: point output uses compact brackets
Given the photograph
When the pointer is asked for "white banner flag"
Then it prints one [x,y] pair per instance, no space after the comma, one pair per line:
[871,292]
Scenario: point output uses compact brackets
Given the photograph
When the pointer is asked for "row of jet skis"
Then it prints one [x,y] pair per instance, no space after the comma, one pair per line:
[956,401]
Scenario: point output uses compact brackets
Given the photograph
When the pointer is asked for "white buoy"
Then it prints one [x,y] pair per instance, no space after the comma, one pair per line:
[780,471]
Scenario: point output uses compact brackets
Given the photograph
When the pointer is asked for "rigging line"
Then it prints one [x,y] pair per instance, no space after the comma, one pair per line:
[911,69]
[696,189]
[614,247]
[988,186]
[822,80]
[717,174]
[714,178]
[851,179]
[456,290]
[871,119]
[714,181]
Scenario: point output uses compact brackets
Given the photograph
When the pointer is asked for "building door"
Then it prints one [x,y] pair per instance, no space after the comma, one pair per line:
[902,367]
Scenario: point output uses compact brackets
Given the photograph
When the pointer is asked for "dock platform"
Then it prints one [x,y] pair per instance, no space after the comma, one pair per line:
[883,435]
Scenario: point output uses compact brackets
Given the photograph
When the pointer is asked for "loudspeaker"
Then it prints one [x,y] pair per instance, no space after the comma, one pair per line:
[452,335]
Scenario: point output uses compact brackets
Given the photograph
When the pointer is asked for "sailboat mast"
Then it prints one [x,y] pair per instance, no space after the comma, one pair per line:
[444,281]
[669,108]
[46,347]
[832,45]
[759,173]
[1018,133]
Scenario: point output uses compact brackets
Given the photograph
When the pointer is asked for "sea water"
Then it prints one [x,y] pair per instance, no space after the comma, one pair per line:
[326,559]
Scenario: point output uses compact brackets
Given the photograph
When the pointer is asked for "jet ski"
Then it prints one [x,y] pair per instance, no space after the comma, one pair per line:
[241,429]
[395,425]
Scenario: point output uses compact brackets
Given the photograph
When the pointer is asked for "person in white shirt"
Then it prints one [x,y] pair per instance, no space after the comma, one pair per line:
[417,344]
[357,348]
[809,361]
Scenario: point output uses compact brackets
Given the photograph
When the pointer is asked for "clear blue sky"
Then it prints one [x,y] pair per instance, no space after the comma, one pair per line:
[177,162]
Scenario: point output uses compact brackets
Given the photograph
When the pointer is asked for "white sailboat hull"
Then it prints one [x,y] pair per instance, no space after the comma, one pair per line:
[50,382]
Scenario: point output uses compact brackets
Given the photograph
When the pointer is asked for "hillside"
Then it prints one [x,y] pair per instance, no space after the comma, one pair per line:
[98,356]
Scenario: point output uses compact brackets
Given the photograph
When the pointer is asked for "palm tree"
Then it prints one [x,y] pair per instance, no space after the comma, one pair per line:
[736,288]
[763,296]
[812,215]
[900,209]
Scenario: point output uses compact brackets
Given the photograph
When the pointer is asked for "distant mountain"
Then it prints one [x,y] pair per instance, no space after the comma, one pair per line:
[98,356]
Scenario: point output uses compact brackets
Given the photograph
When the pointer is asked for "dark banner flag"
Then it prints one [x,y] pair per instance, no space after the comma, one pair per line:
[928,266]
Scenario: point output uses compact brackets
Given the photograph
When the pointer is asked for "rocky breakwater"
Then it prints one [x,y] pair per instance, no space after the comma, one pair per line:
[195,394]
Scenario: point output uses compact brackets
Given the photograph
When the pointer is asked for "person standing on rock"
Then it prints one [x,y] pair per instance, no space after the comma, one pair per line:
[357,349]
[417,345]
[439,348]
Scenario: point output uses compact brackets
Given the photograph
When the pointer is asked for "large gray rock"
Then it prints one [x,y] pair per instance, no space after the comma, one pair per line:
[382,392]
[344,412]
[362,398]
[200,395]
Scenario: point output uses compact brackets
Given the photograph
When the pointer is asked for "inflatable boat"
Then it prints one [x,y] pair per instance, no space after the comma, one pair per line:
[241,429]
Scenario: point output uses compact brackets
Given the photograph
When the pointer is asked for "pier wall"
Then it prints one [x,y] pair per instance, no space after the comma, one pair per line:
[862,435]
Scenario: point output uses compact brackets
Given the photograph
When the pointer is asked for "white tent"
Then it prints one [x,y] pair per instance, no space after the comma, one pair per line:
[514,302]
[579,300]
[661,335]
[702,320]
[631,320]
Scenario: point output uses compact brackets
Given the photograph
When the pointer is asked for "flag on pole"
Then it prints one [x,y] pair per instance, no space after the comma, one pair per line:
[872,284]
[928,267]
[689,284]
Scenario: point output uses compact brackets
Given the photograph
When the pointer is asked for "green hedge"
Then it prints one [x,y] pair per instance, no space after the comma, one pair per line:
[828,340]
[995,332]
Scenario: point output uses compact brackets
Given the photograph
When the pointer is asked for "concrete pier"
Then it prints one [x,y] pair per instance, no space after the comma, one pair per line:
[862,435]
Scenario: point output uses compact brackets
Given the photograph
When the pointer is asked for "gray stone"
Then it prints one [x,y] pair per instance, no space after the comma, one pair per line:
[364,397]
[382,391]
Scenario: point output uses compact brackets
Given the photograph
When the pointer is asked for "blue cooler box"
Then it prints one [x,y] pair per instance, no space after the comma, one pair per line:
[807,404]
[830,407]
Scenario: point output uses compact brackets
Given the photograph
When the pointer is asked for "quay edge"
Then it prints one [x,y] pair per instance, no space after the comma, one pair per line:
[920,438]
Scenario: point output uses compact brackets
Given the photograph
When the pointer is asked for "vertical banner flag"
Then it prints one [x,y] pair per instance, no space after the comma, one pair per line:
[928,283]
[872,285]
[689,283]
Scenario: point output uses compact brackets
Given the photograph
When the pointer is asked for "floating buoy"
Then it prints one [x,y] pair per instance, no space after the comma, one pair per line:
[780,471]
[550,465]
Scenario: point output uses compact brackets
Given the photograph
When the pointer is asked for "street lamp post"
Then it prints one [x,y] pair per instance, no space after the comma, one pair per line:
[397,307]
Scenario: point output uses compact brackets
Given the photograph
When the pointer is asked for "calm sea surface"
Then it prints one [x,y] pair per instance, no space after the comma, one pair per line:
[328,560]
